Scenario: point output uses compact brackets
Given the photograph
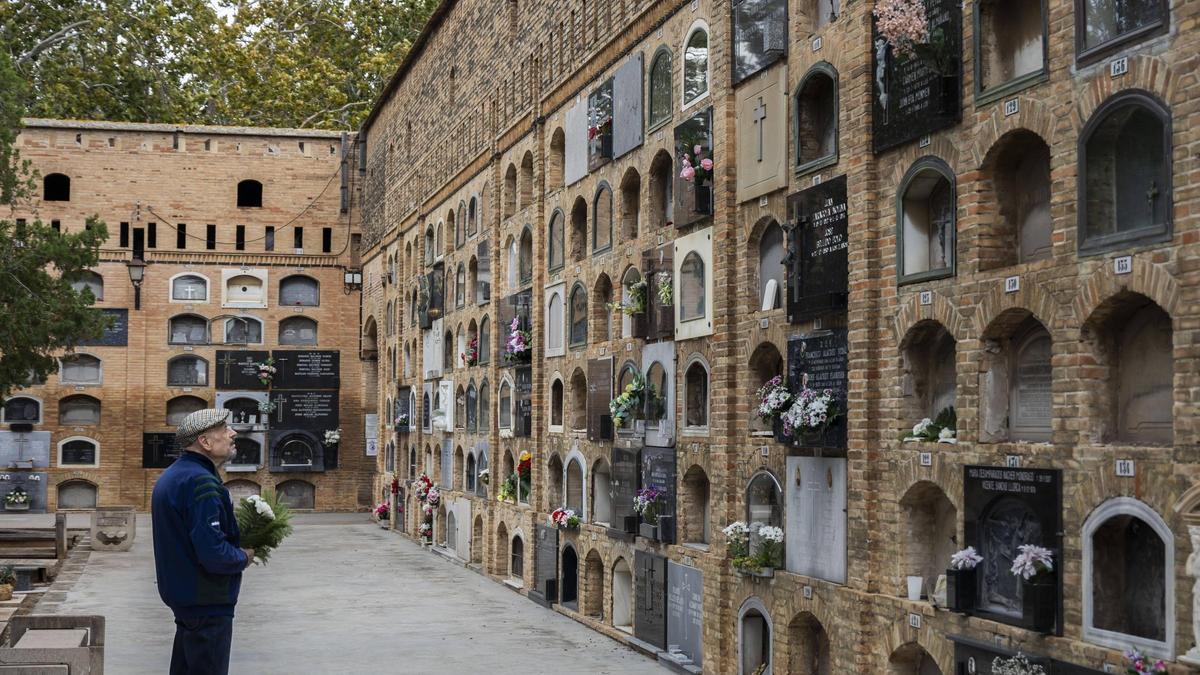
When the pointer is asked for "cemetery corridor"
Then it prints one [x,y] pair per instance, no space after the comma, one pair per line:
[344,596]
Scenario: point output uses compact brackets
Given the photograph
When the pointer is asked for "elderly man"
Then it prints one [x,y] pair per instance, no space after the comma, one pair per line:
[196,545]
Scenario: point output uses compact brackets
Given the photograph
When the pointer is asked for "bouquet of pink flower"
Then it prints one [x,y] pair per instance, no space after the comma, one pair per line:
[773,399]
[701,171]
[383,510]
[421,487]
[1140,665]
[518,347]
[564,518]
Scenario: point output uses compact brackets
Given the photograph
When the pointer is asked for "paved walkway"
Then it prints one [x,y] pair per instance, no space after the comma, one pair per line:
[344,596]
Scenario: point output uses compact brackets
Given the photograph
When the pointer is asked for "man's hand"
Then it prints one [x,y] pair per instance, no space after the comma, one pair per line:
[249,556]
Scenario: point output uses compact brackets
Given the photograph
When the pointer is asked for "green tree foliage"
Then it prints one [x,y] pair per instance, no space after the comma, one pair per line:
[43,314]
[286,63]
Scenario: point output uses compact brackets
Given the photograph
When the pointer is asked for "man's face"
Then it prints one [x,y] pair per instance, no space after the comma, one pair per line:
[218,444]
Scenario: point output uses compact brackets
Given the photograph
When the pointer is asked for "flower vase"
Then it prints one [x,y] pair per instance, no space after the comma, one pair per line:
[960,590]
[1039,603]
[648,531]
[704,200]
[950,90]
[22,506]
[664,320]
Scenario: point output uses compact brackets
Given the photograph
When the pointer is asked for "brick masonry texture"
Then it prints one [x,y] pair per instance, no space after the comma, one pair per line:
[162,174]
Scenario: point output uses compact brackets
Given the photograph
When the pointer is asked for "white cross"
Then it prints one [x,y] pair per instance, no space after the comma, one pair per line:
[760,114]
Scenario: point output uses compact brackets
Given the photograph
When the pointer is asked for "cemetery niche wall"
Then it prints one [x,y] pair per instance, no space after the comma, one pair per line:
[650,588]
[818,244]
[305,398]
[685,615]
[816,522]
[818,362]
[919,94]
[1004,509]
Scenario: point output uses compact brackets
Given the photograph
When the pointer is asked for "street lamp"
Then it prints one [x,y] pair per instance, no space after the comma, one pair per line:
[137,272]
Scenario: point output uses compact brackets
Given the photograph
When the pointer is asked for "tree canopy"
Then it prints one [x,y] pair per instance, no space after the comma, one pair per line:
[283,63]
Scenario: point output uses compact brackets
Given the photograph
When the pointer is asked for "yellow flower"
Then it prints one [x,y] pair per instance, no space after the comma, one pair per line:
[524,456]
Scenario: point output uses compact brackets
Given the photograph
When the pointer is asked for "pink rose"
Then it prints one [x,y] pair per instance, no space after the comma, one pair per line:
[688,173]
[697,150]
[706,164]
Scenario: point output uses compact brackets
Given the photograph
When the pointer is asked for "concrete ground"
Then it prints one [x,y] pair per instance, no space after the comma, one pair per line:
[343,595]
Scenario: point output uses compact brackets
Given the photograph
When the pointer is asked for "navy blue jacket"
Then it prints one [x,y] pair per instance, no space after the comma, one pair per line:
[196,540]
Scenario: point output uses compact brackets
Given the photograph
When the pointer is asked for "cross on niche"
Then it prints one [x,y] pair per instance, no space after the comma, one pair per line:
[155,447]
[760,114]
[650,585]
[21,441]
[279,398]
[226,361]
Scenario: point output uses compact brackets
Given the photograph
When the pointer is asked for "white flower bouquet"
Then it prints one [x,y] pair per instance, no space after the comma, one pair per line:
[965,559]
[265,522]
[333,436]
[1032,561]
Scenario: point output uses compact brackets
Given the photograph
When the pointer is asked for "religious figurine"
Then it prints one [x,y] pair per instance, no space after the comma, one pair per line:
[1193,570]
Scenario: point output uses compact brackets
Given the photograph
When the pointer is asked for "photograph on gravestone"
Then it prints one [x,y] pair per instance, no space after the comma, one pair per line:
[815,541]
[33,485]
[694,195]
[296,450]
[24,449]
[759,35]
[239,369]
[623,486]
[817,268]
[685,613]
[599,384]
[302,369]
[600,125]
[658,471]
[159,450]
[919,94]
[818,362]
[116,334]
[545,565]
[311,410]
[650,589]
[627,106]
[1005,508]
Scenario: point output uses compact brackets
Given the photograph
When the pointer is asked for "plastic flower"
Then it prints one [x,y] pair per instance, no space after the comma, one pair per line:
[902,23]
[697,150]
[965,559]
[706,164]
[946,434]
[770,533]
[1032,560]
[736,531]
[922,426]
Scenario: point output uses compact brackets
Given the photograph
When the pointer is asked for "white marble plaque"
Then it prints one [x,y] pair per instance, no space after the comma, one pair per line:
[816,517]
[576,150]
[25,446]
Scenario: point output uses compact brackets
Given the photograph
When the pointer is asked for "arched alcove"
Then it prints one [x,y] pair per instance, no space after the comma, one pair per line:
[928,382]
[693,506]
[593,599]
[622,596]
[1015,379]
[808,646]
[1015,182]
[929,523]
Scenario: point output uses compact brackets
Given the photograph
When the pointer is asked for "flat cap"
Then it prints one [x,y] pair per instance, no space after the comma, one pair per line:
[197,423]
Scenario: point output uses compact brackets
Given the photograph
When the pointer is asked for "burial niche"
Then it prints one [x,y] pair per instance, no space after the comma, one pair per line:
[927,221]
[1125,177]
[578,316]
[299,291]
[477,542]
[1132,339]
[242,330]
[631,198]
[1016,189]
[579,395]
[695,65]
[516,564]
[601,493]
[247,452]
[766,363]
[764,500]
[556,241]
[244,290]
[574,492]
[593,599]
[510,191]
[556,405]
[182,406]
[554,482]
[771,272]
[471,472]
[78,452]
[1101,25]
[1128,584]
[1010,41]
[808,646]
[662,204]
[187,371]
[188,329]
[694,506]
[525,257]
[504,414]
[930,533]
[695,395]
[928,381]
[241,488]
[1015,379]
[189,288]
[817,118]
[301,330]
[570,578]
[78,410]
[297,494]
[88,281]
[622,596]
[22,409]
[912,659]
[500,564]
[76,494]
[754,639]
[80,369]
[602,219]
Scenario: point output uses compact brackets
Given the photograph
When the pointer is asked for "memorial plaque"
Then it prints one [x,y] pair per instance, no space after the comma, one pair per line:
[481,463]
[314,410]
[159,450]
[815,540]
[819,361]
[296,450]
[975,657]
[759,35]
[627,107]
[685,610]
[33,484]
[447,473]
[239,369]
[306,369]
[658,471]
[545,565]
[650,589]
[817,251]
[25,449]
[623,485]
[1004,508]
[116,334]
[576,142]
[1031,402]
[912,97]
[658,365]
[693,198]
[523,391]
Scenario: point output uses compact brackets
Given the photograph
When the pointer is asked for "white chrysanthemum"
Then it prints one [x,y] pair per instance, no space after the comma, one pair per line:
[770,533]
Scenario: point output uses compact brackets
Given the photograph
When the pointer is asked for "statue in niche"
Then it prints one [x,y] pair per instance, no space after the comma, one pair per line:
[1193,570]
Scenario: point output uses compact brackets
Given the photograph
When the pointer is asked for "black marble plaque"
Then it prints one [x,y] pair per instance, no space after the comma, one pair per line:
[116,334]
[523,421]
[296,450]
[759,35]
[658,471]
[316,410]
[817,251]
[624,483]
[915,96]
[301,369]
[693,198]
[239,369]
[403,399]
[159,450]
[819,361]
[1004,508]
[545,565]
[974,656]
[650,589]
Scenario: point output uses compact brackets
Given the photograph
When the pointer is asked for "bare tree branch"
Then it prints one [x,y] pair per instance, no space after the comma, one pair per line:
[331,110]
[57,37]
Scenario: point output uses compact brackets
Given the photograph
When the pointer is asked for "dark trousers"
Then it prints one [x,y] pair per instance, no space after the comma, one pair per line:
[202,645]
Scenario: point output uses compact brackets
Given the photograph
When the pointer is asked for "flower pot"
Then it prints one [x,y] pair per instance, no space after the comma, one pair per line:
[915,584]
[6,591]
[759,572]
[960,590]
[704,199]
[23,506]
[1039,604]
[648,531]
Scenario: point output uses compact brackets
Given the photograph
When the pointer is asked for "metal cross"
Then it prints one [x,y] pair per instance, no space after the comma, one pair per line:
[1152,196]
[279,408]
[760,114]
[226,361]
